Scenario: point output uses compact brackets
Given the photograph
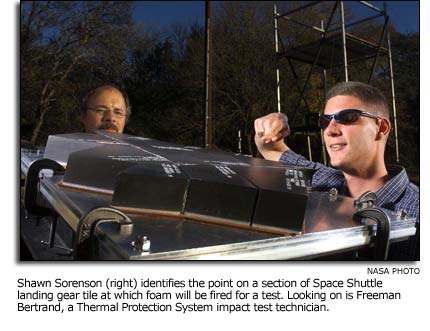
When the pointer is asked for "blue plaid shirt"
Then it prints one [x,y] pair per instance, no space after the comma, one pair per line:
[397,194]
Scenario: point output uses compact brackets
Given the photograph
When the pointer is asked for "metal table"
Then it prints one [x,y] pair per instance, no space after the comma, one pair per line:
[327,230]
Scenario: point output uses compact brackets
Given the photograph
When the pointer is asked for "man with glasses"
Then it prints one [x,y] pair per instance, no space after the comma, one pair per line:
[105,108]
[356,126]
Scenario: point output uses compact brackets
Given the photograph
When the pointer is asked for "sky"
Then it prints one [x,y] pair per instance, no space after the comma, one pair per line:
[160,14]
[403,14]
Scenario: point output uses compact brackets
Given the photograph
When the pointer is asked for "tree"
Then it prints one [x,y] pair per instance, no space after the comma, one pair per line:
[244,70]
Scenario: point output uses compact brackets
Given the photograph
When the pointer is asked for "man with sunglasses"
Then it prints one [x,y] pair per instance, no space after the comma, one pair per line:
[356,127]
[105,107]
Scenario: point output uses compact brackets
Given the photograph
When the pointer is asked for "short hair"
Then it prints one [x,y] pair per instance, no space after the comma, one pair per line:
[91,92]
[369,95]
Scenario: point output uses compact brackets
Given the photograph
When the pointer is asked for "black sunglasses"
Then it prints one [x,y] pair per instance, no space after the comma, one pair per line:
[346,116]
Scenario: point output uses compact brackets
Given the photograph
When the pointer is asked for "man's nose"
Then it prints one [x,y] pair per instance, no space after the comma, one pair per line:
[333,128]
[108,116]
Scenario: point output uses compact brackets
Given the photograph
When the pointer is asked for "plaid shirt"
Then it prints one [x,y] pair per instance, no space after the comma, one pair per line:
[397,194]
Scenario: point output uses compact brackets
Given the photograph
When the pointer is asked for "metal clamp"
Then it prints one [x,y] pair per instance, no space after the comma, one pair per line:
[32,182]
[382,240]
[89,223]
[366,200]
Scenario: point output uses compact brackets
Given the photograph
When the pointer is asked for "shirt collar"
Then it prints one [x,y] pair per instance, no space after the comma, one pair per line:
[394,188]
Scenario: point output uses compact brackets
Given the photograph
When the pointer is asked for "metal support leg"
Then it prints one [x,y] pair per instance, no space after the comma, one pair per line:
[309,147]
[52,230]
[345,59]
[393,96]
[278,91]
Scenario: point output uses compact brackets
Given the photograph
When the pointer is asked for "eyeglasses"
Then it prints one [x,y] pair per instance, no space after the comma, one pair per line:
[346,116]
[101,111]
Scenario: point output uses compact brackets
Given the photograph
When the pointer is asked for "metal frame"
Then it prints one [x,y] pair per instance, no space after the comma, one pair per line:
[323,38]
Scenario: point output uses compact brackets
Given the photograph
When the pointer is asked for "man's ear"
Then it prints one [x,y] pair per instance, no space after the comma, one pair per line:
[384,128]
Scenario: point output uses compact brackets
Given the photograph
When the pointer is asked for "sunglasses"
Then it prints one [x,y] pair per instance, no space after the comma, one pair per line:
[346,116]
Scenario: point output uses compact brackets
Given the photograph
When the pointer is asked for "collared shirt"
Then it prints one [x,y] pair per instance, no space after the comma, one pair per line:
[397,194]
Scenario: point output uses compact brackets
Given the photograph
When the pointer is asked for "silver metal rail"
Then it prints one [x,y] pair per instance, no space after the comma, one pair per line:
[71,205]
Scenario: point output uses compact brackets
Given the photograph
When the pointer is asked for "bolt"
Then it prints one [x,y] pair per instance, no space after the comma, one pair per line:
[333,194]
[401,214]
[141,244]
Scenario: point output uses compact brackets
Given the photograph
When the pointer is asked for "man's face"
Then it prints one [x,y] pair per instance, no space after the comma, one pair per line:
[106,110]
[355,147]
